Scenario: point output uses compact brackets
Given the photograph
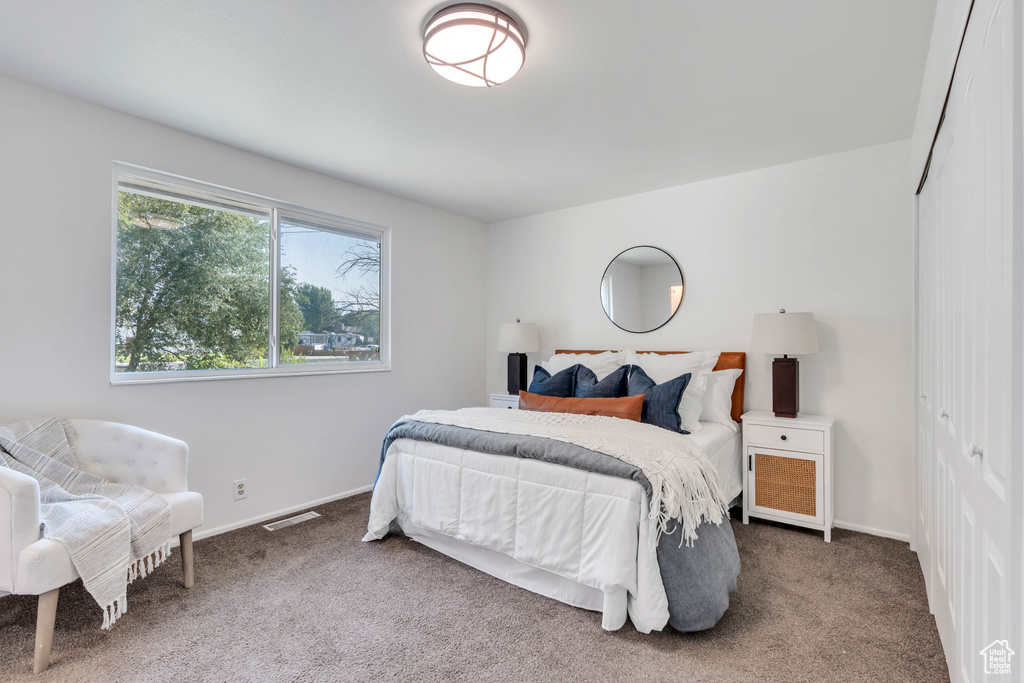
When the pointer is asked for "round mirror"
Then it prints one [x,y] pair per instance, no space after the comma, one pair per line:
[641,289]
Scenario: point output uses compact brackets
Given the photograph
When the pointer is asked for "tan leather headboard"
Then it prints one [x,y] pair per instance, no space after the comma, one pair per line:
[727,360]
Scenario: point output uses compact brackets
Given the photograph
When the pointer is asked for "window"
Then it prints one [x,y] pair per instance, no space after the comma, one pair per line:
[211,283]
[330,288]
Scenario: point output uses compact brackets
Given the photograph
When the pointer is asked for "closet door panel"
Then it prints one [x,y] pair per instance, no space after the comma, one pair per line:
[991,448]
[966,500]
[924,520]
[968,590]
[996,235]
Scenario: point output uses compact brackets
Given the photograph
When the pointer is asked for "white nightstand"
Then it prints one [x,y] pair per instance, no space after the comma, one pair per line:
[787,469]
[505,401]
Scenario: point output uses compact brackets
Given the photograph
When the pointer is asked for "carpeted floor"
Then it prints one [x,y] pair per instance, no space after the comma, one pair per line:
[313,603]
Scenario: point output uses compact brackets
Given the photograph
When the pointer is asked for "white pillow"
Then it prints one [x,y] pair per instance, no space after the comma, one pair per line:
[665,367]
[716,406]
[603,364]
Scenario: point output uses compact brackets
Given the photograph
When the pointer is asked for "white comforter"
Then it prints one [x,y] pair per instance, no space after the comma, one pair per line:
[590,529]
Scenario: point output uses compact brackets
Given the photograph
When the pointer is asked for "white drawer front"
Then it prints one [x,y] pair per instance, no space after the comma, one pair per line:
[505,401]
[786,438]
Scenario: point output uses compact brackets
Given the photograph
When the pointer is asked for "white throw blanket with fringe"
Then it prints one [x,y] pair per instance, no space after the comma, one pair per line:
[684,483]
[114,533]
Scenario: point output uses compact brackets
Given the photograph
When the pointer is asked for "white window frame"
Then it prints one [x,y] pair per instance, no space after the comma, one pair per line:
[274,208]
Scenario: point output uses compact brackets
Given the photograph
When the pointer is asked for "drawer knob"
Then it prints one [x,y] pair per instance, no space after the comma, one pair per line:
[783,437]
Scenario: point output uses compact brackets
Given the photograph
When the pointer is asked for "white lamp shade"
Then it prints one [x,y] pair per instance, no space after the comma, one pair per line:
[518,338]
[789,334]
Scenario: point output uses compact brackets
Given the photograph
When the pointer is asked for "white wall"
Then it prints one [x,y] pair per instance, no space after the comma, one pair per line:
[296,439]
[950,18]
[831,235]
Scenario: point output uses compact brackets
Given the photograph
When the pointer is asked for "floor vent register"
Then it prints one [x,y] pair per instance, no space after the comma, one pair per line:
[291,521]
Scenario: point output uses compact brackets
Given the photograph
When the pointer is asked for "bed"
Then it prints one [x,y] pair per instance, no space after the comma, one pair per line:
[562,520]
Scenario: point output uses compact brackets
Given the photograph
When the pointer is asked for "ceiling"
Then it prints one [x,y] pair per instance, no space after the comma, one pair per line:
[615,98]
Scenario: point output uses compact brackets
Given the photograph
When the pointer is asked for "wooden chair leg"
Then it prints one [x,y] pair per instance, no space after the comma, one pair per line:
[185,540]
[45,618]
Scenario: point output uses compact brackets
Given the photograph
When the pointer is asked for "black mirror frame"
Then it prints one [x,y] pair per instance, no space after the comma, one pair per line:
[682,281]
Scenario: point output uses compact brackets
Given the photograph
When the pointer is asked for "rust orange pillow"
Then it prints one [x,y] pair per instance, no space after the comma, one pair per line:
[627,407]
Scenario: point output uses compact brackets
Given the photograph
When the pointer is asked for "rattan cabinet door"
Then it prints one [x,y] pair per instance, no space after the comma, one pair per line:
[786,485]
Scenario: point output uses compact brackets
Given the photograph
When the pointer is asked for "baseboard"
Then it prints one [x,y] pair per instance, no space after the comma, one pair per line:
[206,533]
[871,530]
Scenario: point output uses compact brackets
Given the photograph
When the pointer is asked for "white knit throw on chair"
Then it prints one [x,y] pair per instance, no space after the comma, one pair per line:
[114,533]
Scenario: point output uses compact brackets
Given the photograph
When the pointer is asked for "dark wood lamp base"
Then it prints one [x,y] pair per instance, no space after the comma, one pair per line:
[517,373]
[785,386]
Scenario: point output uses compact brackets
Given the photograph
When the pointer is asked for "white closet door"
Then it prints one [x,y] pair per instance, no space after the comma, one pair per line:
[966,501]
[989,443]
[924,520]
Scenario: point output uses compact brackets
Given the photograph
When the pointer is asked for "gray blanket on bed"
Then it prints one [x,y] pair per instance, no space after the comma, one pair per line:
[698,579]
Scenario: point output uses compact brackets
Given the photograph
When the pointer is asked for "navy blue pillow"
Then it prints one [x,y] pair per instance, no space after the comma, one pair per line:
[612,386]
[661,401]
[561,384]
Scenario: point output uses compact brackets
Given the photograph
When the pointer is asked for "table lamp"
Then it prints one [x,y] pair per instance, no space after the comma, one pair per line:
[517,339]
[789,334]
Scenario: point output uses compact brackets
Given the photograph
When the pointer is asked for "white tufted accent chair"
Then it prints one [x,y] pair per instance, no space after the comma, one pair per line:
[31,565]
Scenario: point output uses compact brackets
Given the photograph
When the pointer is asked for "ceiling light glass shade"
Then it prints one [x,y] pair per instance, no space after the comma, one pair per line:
[474,45]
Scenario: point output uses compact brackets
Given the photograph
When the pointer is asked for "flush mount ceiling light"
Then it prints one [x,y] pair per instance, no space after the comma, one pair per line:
[474,45]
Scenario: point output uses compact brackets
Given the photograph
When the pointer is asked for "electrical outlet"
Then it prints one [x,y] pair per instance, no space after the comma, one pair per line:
[239,489]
